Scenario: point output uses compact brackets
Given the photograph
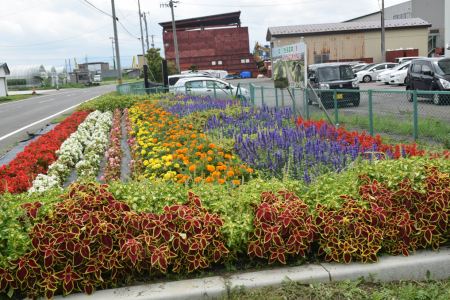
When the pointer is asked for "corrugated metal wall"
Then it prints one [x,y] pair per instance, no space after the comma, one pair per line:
[360,46]
[203,47]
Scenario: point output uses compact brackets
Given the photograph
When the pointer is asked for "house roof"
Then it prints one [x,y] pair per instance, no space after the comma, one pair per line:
[317,29]
[221,20]
[4,65]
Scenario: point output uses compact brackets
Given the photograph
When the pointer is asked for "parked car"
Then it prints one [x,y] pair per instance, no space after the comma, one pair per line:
[205,86]
[429,74]
[97,78]
[358,67]
[333,76]
[365,67]
[401,60]
[237,77]
[371,73]
[399,77]
[174,78]
[229,76]
[384,77]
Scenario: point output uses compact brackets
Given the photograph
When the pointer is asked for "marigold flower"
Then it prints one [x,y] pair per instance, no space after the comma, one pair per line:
[250,170]
[209,179]
[210,152]
[227,156]
[193,136]
[210,168]
[236,182]
[212,146]
[221,181]
[210,159]
[221,153]
[230,173]
[192,168]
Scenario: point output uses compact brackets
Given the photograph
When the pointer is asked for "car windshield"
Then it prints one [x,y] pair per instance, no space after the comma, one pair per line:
[358,68]
[400,67]
[442,67]
[335,73]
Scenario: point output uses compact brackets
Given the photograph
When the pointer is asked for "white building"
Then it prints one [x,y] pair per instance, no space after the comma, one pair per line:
[3,85]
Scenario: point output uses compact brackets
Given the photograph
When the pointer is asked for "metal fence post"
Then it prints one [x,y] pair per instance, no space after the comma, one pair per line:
[185,88]
[215,95]
[240,93]
[336,118]
[416,121]
[276,97]
[252,93]
[307,103]
[262,95]
[370,113]
[293,103]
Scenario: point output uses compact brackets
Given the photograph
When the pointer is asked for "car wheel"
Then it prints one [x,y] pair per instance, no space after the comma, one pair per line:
[387,83]
[409,96]
[367,79]
[437,99]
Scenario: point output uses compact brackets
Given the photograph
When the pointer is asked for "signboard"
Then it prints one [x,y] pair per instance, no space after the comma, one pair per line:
[289,67]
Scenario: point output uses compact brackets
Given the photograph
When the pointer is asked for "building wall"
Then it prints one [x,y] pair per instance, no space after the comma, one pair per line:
[399,9]
[359,45]
[374,17]
[432,11]
[3,88]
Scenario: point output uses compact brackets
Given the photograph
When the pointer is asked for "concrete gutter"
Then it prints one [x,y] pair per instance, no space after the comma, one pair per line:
[389,268]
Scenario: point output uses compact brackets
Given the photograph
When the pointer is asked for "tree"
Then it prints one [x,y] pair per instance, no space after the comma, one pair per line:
[193,68]
[155,67]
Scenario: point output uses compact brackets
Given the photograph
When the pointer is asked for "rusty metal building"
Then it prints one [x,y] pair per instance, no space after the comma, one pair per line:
[353,41]
[216,42]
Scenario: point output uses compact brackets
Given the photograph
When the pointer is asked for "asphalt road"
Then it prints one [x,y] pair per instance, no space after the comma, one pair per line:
[35,111]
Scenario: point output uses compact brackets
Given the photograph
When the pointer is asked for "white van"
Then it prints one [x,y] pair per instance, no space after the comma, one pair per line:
[97,78]
[401,60]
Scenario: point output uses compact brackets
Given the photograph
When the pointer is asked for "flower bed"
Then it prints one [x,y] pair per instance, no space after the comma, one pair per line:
[16,177]
[113,168]
[82,151]
[215,181]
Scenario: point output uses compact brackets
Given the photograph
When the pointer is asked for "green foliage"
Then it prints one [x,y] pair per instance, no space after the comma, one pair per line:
[154,64]
[47,82]
[193,68]
[110,102]
[15,225]
[13,82]
[233,204]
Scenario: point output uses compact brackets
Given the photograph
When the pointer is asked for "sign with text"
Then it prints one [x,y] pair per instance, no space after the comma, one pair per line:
[289,65]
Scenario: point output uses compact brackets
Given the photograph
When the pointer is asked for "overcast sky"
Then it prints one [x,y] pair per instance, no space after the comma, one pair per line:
[49,31]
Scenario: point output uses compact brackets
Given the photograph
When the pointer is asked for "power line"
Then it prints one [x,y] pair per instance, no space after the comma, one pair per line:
[126,17]
[294,3]
[95,7]
[56,41]
[26,9]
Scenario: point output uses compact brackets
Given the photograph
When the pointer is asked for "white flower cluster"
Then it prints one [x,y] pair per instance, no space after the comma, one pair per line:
[96,147]
[91,138]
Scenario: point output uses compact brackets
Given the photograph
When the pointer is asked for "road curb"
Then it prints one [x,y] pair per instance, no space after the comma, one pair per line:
[389,268]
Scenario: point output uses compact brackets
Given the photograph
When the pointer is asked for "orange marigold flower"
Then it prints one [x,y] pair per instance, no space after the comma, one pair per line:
[210,168]
[179,145]
[209,158]
[193,136]
[250,170]
[210,152]
[198,153]
[221,153]
[180,156]
[212,146]
[236,182]
[198,179]
[199,147]
[227,156]
[190,126]
[155,140]
[192,168]
[221,181]
[230,173]
[209,179]
[179,175]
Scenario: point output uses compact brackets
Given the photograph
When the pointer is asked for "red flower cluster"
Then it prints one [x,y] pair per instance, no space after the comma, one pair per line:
[367,141]
[18,175]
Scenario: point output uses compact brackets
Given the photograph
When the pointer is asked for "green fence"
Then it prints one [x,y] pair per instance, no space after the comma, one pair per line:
[401,115]
[127,88]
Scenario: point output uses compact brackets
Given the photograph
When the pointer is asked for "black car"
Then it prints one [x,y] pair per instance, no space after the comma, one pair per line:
[429,74]
[330,76]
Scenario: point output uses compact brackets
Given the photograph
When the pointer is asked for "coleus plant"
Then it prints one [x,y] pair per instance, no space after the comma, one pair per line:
[91,240]
[283,226]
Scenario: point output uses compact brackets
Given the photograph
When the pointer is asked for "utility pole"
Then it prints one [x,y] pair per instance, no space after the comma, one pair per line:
[119,70]
[174,29]
[70,66]
[145,67]
[153,43]
[114,58]
[146,30]
[383,36]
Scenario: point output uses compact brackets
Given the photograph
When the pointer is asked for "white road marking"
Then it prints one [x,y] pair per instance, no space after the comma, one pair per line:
[33,98]
[57,114]
[46,100]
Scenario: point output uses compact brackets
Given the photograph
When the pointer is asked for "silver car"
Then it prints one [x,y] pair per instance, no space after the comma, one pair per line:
[206,85]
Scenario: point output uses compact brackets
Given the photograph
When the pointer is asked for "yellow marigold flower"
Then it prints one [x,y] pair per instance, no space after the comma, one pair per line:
[143,152]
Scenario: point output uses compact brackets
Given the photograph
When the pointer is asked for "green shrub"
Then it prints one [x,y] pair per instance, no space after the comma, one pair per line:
[109,102]
[13,82]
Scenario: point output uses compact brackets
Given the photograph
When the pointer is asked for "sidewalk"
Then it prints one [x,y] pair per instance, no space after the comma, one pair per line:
[40,92]
[390,268]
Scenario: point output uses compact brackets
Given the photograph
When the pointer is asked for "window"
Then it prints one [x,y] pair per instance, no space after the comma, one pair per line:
[242,61]
[213,63]
[218,84]
[391,65]
[219,62]
[194,84]
[426,67]
[380,67]
[321,58]
[247,60]
[416,68]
